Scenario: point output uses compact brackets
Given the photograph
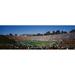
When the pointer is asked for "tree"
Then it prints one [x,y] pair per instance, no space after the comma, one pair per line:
[47,33]
[63,32]
[72,31]
[33,34]
[53,32]
[39,34]
[57,32]
[10,34]
[16,35]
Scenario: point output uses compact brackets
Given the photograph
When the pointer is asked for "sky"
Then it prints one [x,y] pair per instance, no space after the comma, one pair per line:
[32,29]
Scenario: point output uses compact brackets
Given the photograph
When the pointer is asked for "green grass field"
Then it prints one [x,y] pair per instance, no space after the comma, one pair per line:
[39,44]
